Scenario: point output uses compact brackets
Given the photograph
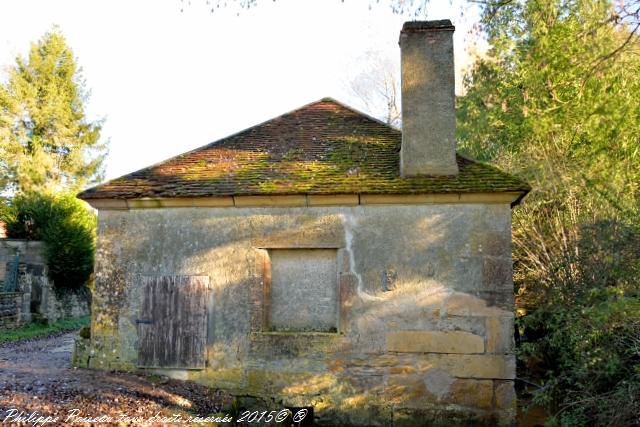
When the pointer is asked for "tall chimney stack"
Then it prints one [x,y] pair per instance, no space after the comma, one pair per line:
[428,99]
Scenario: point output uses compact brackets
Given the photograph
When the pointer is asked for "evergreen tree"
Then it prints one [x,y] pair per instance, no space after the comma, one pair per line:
[46,142]
[556,101]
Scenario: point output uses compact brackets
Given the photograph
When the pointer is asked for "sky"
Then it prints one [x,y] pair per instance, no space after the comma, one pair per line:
[166,81]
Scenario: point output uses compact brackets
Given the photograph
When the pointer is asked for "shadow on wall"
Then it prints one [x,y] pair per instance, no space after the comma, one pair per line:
[409,342]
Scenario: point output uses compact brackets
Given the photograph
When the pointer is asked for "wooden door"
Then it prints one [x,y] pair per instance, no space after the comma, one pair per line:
[173,322]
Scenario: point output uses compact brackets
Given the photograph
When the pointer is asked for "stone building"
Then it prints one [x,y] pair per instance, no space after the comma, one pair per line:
[322,259]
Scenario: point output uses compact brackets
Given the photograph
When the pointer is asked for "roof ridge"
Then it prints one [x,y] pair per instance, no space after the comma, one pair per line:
[213,143]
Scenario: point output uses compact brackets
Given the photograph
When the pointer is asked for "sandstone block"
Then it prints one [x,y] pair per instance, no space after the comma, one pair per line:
[407,391]
[481,366]
[505,395]
[434,342]
[460,304]
[473,393]
[499,335]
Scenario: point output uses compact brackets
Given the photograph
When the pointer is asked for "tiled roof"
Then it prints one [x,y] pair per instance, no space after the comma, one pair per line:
[322,148]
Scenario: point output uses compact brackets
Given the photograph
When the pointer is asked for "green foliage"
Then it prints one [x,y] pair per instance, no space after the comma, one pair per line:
[65,225]
[556,101]
[85,332]
[580,336]
[34,330]
[46,143]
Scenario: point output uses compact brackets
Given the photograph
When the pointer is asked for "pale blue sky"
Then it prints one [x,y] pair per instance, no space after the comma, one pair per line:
[167,82]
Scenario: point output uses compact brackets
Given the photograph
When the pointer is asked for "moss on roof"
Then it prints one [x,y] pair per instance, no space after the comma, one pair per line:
[321,148]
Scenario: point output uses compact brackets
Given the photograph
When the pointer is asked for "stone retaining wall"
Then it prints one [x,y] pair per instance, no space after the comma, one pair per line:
[67,305]
[35,298]
[10,310]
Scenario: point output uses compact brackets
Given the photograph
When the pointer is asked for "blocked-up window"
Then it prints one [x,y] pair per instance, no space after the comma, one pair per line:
[304,290]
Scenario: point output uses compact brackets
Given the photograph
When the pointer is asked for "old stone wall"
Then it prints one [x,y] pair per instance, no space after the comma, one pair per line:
[35,298]
[424,305]
[10,310]
[15,303]
[50,305]
[30,252]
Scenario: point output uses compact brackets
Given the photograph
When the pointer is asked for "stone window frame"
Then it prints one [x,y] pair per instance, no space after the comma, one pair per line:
[260,292]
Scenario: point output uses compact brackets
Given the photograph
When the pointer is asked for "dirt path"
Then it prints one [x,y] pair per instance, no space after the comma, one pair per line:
[36,377]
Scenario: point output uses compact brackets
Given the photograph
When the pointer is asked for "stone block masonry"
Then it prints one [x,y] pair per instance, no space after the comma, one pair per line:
[421,306]
[428,99]
[434,342]
[35,297]
[10,310]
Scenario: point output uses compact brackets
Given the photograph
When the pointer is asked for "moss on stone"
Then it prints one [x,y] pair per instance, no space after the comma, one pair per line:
[322,148]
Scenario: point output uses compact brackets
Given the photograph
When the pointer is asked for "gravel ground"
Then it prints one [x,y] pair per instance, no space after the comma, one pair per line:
[36,378]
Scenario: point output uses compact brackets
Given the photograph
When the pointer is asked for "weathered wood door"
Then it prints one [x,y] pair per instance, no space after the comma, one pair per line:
[173,320]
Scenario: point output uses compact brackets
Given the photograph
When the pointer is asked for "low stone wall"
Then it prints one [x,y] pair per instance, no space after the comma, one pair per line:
[35,298]
[45,304]
[31,253]
[62,306]
[10,310]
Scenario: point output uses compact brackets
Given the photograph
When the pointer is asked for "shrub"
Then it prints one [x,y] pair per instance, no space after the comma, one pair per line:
[578,278]
[65,225]
[85,333]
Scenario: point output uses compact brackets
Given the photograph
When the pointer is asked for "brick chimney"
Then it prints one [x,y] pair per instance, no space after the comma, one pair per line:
[428,99]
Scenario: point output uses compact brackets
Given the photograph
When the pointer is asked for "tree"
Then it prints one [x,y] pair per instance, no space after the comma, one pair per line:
[46,142]
[555,101]
[66,225]
[552,102]
[377,87]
